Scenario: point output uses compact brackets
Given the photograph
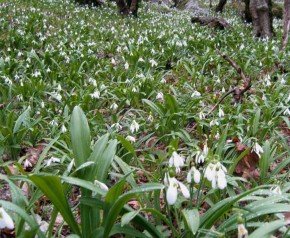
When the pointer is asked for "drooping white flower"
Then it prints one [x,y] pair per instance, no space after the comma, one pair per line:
[216,174]
[5,220]
[221,113]
[242,231]
[258,149]
[134,127]
[160,96]
[194,175]
[101,185]
[63,129]
[173,186]
[176,161]
[276,190]
[114,106]
[131,138]
[126,66]
[286,112]
[195,94]
[52,160]
[95,94]
[27,164]
[113,62]
[153,62]
[200,157]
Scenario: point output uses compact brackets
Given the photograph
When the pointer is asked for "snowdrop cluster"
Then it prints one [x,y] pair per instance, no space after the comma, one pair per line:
[176,161]
[216,174]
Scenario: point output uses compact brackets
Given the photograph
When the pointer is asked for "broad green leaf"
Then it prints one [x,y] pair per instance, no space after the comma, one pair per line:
[80,136]
[52,188]
[21,120]
[154,107]
[126,230]
[129,216]
[84,184]
[267,229]
[118,205]
[191,218]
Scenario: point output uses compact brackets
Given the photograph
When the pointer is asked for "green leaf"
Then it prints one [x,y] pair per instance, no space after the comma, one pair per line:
[267,229]
[80,136]
[23,119]
[154,107]
[52,188]
[126,218]
[191,218]
[126,230]
[23,214]
[118,205]
[84,184]
[127,145]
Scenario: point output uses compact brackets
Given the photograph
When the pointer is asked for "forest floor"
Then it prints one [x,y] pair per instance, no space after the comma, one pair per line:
[154,84]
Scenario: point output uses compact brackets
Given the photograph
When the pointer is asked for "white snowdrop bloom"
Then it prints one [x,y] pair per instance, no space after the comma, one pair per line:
[95,94]
[242,231]
[221,113]
[213,122]
[283,81]
[200,157]
[173,186]
[140,60]
[150,118]
[160,96]
[5,220]
[258,149]
[114,106]
[42,104]
[27,164]
[43,225]
[195,94]
[53,123]
[276,190]
[131,138]
[153,62]
[126,66]
[113,62]
[194,175]
[201,115]
[59,87]
[48,70]
[216,174]
[52,160]
[286,112]
[36,74]
[177,161]
[56,96]
[217,136]
[134,127]
[101,185]
[163,80]
[63,129]
[117,126]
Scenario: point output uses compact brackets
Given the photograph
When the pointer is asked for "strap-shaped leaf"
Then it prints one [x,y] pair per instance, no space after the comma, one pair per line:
[80,136]
[52,188]
[191,218]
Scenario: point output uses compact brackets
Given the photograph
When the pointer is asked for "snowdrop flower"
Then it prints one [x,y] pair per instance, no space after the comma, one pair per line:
[63,129]
[276,190]
[36,74]
[201,115]
[193,174]
[221,113]
[95,94]
[114,106]
[101,185]
[286,112]
[52,160]
[153,62]
[200,157]
[177,161]
[126,66]
[216,174]
[150,118]
[195,94]
[173,186]
[27,164]
[5,220]
[134,126]
[160,96]
[242,231]
[213,122]
[140,60]
[56,96]
[131,138]
[117,126]
[258,149]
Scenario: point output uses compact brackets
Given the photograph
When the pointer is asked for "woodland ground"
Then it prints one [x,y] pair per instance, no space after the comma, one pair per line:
[150,83]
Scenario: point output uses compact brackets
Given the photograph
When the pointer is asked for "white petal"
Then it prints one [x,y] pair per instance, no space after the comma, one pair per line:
[102,185]
[213,182]
[188,177]
[5,220]
[196,176]
[184,190]
[171,195]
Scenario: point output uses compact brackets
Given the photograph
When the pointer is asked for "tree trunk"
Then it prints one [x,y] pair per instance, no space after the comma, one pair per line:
[286,26]
[220,6]
[122,6]
[262,18]
[248,17]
